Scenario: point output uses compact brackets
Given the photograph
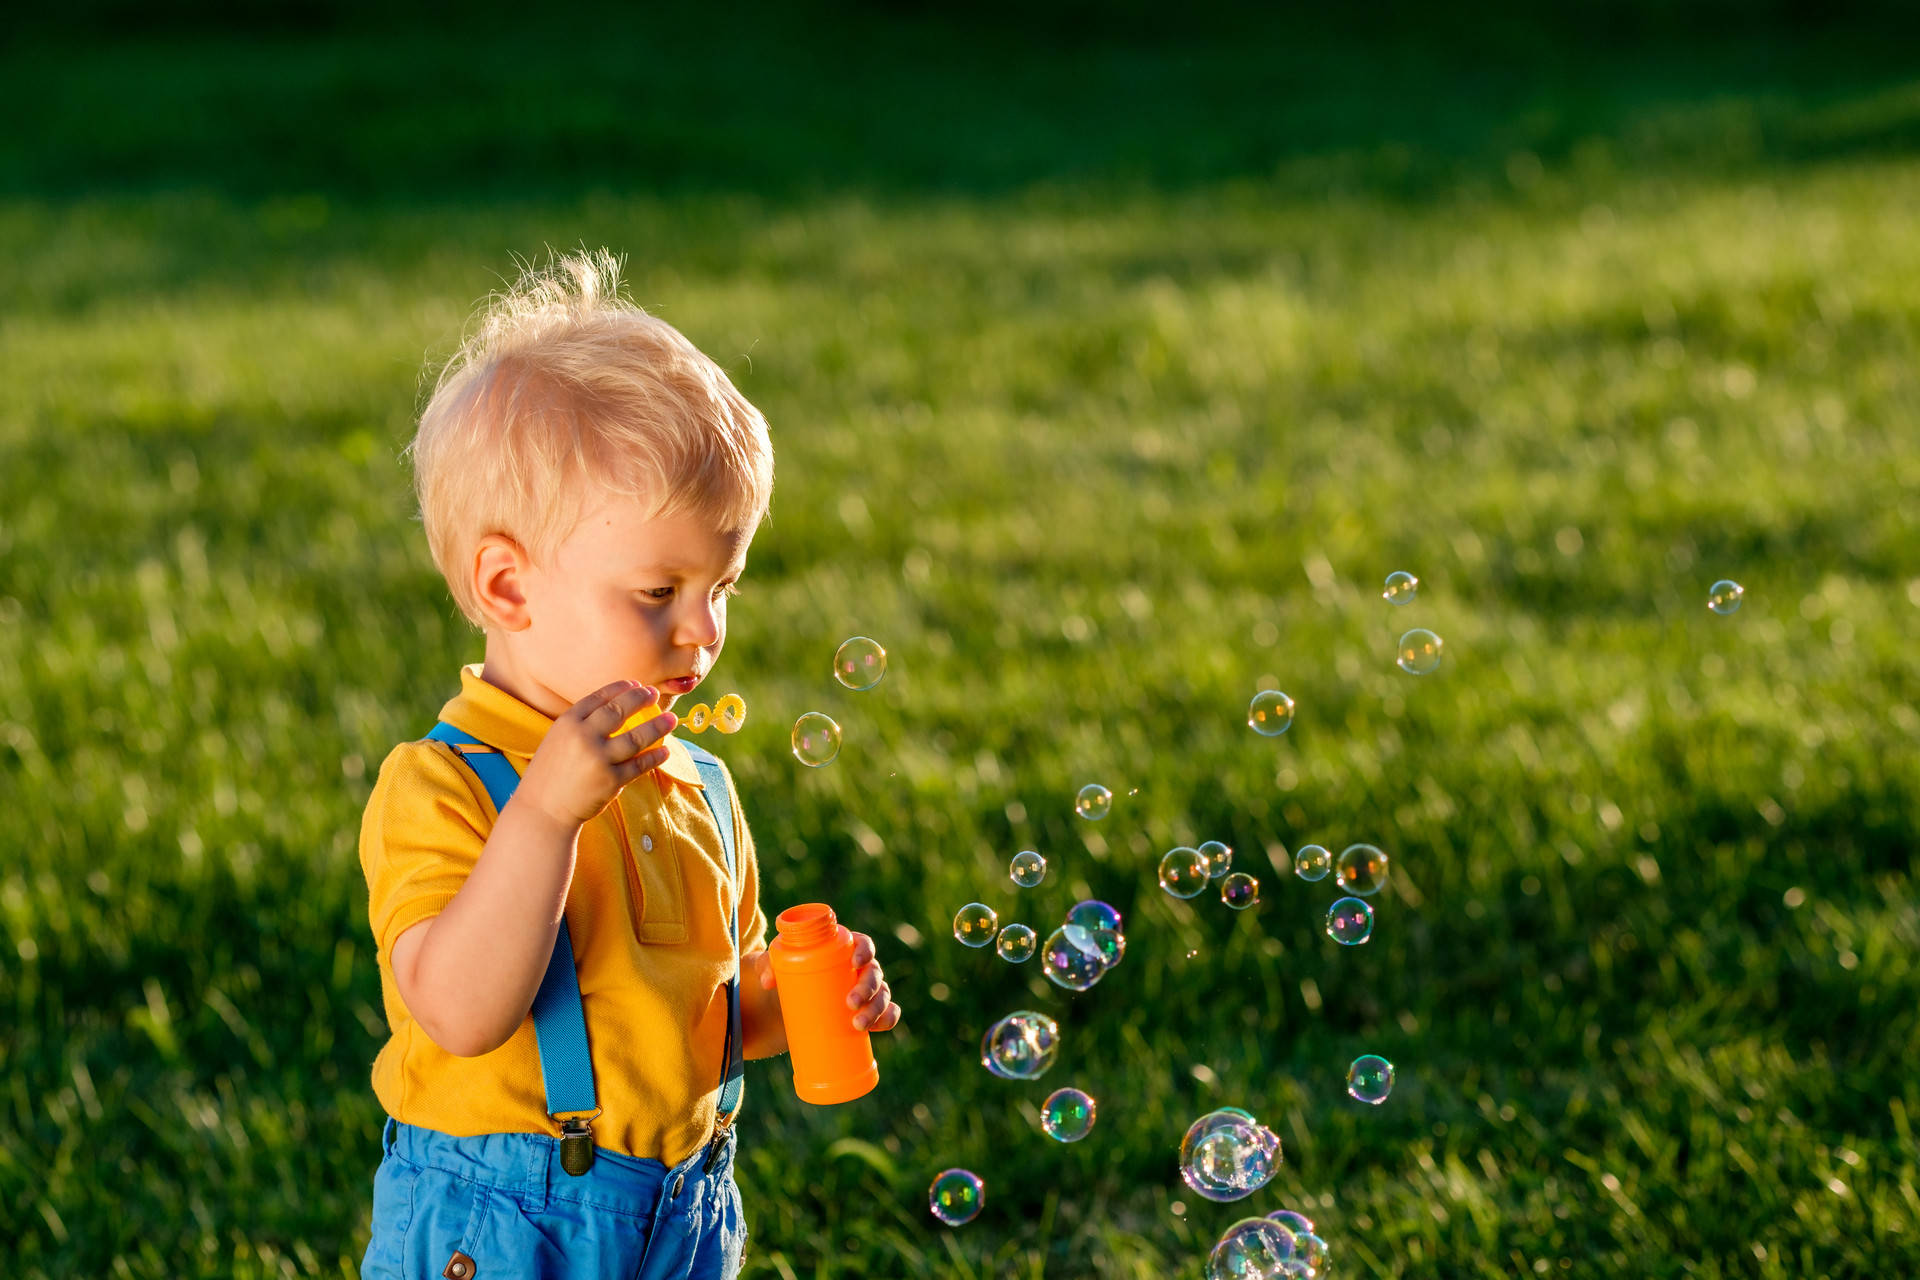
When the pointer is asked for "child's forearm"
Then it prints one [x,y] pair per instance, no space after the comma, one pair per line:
[475,974]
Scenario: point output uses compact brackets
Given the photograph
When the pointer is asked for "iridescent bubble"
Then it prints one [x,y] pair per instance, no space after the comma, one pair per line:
[1311,1252]
[1016,943]
[1362,870]
[1021,1046]
[1251,1249]
[1091,914]
[1240,891]
[1183,872]
[1072,959]
[1270,714]
[1227,1155]
[1402,587]
[1419,651]
[1350,922]
[1297,1266]
[975,924]
[1298,1223]
[1067,1115]
[859,663]
[1094,802]
[1370,1079]
[1219,858]
[1312,862]
[956,1196]
[1723,597]
[1027,868]
[816,739]
[1102,924]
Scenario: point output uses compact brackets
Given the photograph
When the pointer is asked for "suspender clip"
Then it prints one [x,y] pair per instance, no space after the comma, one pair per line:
[576,1146]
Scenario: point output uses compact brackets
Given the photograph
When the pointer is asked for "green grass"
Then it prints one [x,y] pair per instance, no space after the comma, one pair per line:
[1110,421]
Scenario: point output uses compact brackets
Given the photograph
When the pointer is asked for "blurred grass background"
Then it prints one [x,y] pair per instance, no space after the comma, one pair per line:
[1112,359]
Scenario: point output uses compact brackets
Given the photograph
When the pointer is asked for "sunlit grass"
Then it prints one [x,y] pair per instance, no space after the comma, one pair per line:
[1095,465]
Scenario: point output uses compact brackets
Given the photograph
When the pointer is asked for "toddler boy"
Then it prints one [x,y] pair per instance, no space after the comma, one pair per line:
[572,980]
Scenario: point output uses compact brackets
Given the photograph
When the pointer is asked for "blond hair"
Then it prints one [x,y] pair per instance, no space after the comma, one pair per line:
[567,395]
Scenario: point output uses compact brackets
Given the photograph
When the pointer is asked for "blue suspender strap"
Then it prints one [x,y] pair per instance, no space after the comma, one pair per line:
[559,1023]
[713,784]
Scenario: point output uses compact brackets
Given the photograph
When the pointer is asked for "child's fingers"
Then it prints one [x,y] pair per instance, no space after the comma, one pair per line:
[862,949]
[866,985]
[612,713]
[646,734]
[601,699]
[632,768]
[879,1013]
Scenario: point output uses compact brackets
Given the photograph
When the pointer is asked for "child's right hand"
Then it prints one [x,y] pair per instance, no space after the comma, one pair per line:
[582,764]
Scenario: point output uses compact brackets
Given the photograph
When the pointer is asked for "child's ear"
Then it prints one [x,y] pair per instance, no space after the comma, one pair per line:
[499,582]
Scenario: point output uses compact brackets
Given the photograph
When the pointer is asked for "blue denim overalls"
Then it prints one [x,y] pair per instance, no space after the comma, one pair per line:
[524,1204]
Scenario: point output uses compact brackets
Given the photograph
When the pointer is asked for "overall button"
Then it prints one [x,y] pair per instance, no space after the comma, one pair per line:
[679,1179]
[646,843]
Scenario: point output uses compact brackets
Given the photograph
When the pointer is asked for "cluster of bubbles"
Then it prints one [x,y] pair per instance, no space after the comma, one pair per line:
[1282,1244]
[1021,1046]
[1228,1154]
[1361,870]
[1186,873]
[1087,944]
[858,664]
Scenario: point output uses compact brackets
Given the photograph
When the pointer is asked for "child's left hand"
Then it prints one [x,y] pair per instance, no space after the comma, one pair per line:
[871,999]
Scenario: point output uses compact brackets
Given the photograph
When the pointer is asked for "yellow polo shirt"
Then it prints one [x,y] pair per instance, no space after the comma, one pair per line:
[646,914]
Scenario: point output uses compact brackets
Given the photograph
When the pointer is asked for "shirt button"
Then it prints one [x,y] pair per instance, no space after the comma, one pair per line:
[646,843]
[678,1180]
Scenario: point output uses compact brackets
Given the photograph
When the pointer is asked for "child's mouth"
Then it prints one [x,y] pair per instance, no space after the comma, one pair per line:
[683,684]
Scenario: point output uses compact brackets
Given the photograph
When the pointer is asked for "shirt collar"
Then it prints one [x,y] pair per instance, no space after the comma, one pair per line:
[501,720]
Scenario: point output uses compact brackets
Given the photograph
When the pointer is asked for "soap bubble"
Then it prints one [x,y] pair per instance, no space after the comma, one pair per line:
[859,663]
[1072,959]
[1310,1251]
[1312,862]
[1016,943]
[1021,1046]
[816,739]
[1270,714]
[1183,872]
[1240,891]
[1092,914]
[697,717]
[729,713]
[1402,587]
[1370,1079]
[1228,1155]
[1094,802]
[1362,870]
[975,924]
[1298,1223]
[1350,922]
[1251,1249]
[1102,924]
[1067,1115]
[1723,597]
[1419,651]
[1219,858]
[956,1196]
[1027,868]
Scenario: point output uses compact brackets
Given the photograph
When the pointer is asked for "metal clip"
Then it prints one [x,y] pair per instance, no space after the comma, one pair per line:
[720,1126]
[576,1146]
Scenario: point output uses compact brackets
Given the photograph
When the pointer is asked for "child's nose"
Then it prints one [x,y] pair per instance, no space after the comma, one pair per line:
[699,627]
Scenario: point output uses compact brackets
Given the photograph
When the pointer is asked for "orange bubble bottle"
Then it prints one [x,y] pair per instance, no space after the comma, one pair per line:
[813,972]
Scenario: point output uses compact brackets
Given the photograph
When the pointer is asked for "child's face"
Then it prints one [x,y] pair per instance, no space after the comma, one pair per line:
[626,597]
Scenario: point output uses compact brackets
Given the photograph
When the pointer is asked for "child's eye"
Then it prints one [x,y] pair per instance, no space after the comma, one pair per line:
[726,589]
[658,593]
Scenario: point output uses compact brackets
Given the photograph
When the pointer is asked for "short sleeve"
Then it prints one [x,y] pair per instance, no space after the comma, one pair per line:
[425,826]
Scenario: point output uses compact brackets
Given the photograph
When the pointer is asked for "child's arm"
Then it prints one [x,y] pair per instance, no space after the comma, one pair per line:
[468,975]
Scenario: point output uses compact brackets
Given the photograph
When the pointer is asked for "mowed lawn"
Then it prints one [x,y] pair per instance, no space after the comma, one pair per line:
[1107,381]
